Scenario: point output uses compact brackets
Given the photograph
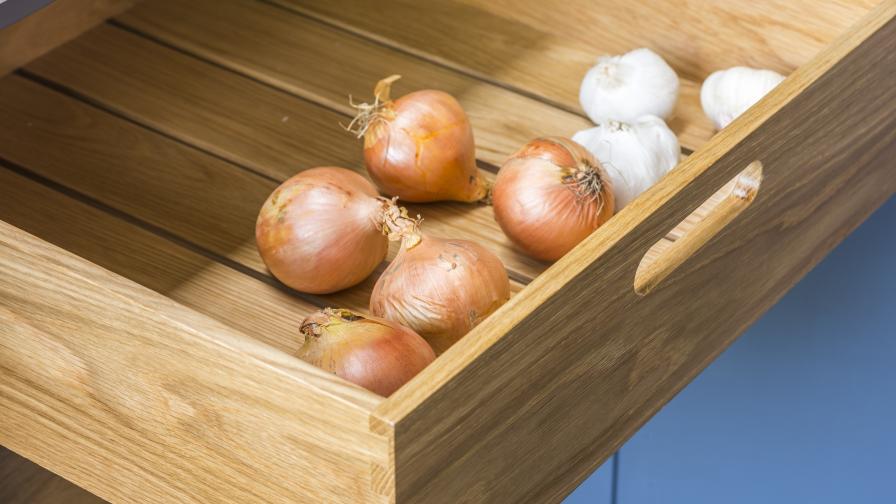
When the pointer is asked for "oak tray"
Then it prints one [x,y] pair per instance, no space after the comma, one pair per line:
[146,353]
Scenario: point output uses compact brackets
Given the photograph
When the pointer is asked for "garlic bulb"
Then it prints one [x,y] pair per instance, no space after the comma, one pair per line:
[727,94]
[626,87]
[634,155]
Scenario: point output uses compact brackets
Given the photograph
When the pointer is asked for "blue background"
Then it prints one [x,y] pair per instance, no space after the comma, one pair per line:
[801,408]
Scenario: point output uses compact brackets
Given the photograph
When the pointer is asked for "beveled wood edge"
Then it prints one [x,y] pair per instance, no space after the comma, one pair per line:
[648,213]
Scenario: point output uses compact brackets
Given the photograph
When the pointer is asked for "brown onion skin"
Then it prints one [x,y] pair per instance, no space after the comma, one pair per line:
[422,150]
[441,289]
[540,213]
[317,232]
[376,354]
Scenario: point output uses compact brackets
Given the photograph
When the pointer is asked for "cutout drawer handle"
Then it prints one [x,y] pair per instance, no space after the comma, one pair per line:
[666,255]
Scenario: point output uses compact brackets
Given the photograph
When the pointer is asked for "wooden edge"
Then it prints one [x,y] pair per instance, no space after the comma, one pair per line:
[137,398]
[53,26]
[546,387]
[647,214]
[665,256]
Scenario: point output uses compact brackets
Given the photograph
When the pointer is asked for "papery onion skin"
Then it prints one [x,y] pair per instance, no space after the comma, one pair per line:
[420,148]
[538,203]
[441,289]
[376,354]
[318,231]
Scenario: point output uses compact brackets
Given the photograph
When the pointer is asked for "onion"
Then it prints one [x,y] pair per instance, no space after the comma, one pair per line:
[635,155]
[376,354]
[419,147]
[550,195]
[439,288]
[321,230]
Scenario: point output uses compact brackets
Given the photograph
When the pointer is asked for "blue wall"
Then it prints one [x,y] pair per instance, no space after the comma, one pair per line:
[801,408]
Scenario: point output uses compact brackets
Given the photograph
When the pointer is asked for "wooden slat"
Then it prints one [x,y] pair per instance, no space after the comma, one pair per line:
[195,196]
[545,47]
[138,399]
[510,414]
[199,198]
[158,180]
[529,54]
[238,119]
[24,482]
[260,310]
[326,65]
[52,26]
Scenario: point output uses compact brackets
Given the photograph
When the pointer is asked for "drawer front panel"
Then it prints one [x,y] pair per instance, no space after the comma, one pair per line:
[137,399]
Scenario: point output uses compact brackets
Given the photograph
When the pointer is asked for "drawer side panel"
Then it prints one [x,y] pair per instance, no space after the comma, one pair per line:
[525,407]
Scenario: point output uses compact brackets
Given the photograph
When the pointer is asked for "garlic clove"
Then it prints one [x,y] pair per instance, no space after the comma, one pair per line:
[726,94]
[626,87]
[635,155]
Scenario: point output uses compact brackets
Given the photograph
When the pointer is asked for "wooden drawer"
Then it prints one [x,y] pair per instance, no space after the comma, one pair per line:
[146,355]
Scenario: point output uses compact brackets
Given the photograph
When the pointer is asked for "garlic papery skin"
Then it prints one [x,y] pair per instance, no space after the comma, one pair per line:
[727,94]
[626,87]
[634,155]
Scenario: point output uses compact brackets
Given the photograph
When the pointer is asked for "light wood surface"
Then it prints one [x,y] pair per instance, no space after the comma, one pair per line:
[52,26]
[259,309]
[326,65]
[159,134]
[195,196]
[24,482]
[510,414]
[239,120]
[666,256]
[545,47]
[542,49]
[139,399]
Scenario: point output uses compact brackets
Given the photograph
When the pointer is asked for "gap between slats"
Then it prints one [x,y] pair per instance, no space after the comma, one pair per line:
[687,111]
[185,243]
[443,218]
[192,247]
[236,265]
[448,65]
[311,60]
[206,282]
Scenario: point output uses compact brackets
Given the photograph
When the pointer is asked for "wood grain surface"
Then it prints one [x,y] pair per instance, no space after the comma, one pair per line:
[546,47]
[147,145]
[257,308]
[166,404]
[52,26]
[540,49]
[196,197]
[24,482]
[510,414]
[239,120]
[326,65]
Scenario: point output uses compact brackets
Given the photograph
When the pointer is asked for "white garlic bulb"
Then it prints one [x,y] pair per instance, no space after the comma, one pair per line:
[626,87]
[635,155]
[727,94]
